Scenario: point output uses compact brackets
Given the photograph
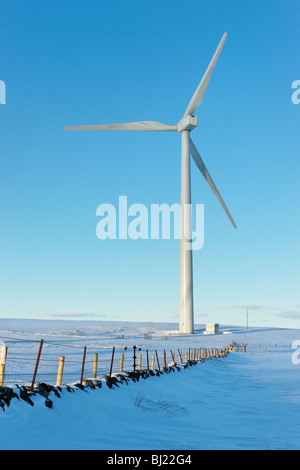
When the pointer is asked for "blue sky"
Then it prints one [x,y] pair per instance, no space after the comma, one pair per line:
[71,63]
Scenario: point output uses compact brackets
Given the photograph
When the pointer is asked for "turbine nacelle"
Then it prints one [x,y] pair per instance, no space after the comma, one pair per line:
[188,123]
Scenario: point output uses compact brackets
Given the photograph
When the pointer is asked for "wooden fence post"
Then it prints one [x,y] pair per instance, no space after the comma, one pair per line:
[157,359]
[152,363]
[121,362]
[3,355]
[37,364]
[2,374]
[164,360]
[60,371]
[112,361]
[180,358]
[95,365]
[147,359]
[140,362]
[83,363]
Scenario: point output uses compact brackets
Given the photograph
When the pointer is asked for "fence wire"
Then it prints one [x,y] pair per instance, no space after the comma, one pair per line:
[23,365]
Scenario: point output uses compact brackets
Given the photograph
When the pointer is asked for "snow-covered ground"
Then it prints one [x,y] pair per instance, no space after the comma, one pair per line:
[243,401]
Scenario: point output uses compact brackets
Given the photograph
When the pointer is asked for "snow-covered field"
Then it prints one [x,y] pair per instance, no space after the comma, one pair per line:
[242,401]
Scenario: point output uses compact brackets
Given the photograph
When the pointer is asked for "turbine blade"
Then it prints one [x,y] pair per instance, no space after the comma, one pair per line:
[199,93]
[200,164]
[127,126]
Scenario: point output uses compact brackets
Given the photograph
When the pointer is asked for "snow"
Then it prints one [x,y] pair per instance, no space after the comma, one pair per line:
[242,401]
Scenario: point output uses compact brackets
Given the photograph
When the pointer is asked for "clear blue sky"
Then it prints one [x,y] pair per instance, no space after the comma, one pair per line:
[71,63]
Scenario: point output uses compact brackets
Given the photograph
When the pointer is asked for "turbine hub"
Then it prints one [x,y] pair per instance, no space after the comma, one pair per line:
[188,123]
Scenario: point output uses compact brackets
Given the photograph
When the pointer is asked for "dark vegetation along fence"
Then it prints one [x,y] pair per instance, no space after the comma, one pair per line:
[36,362]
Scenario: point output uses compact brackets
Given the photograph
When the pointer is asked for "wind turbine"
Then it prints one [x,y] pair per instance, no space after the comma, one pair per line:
[188,123]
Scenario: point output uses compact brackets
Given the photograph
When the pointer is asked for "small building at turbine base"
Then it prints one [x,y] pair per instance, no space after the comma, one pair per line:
[212,329]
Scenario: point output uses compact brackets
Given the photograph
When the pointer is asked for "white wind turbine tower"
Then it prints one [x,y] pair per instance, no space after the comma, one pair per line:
[184,127]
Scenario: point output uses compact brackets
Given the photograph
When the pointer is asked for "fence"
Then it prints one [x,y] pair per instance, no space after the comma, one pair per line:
[40,362]
[257,348]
